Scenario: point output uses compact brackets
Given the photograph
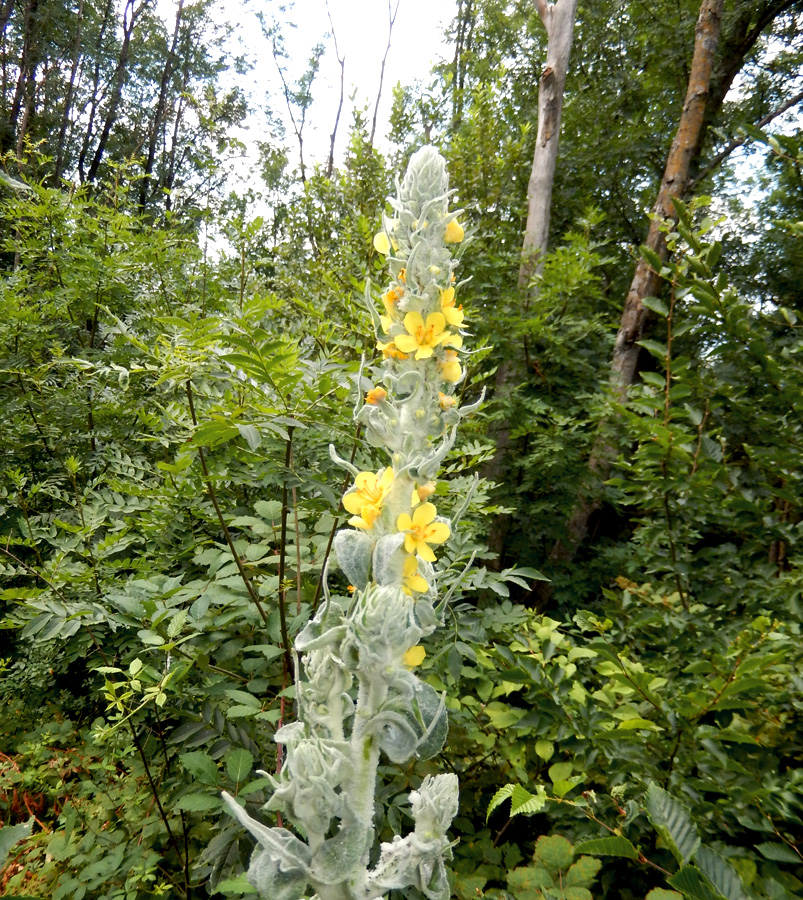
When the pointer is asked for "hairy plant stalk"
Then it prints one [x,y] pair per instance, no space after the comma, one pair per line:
[358,697]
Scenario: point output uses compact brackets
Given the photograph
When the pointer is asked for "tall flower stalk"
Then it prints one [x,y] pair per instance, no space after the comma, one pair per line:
[357,695]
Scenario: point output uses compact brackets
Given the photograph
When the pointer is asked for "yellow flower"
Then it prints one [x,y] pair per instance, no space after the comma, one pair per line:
[446,402]
[376,395]
[414,656]
[425,491]
[365,500]
[412,581]
[454,233]
[423,337]
[422,531]
[382,243]
[453,314]
[389,350]
[451,370]
[402,276]
[389,299]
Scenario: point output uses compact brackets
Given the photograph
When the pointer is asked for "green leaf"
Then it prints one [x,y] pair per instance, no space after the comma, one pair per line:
[652,258]
[545,749]
[656,305]
[608,846]
[239,763]
[554,851]
[663,894]
[12,834]
[672,821]
[525,803]
[693,884]
[199,802]
[778,853]
[656,348]
[251,435]
[560,771]
[201,766]
[721,874]
[499,798]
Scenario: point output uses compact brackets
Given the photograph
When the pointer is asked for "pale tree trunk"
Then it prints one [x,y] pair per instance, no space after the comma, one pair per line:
[558,19]
[646,282]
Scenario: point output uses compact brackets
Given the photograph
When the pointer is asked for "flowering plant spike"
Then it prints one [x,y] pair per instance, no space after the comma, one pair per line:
[358,698]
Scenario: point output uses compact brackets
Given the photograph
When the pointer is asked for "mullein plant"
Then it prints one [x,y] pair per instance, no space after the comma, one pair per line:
[357,695]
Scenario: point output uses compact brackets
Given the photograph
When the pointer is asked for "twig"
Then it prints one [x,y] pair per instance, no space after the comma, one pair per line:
[342,61]
[288,454]
[213,497]
[391,23]
[739,142]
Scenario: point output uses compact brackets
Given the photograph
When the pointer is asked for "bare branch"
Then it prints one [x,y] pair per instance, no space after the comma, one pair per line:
[342,60]
[391,23]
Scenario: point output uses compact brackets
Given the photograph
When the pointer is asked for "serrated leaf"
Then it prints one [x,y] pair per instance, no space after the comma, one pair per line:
[524,803]
[672,821]
[652,257]
[778,853]
[199,802]
[499,798]
[721,874]
[251,434]
[201,766]
[608,846]
[693,884]
[656,305]
[554,851]
[663,894]
[239,763]
[655,348]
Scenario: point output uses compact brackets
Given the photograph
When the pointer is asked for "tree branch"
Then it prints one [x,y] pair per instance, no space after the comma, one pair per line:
[740,142]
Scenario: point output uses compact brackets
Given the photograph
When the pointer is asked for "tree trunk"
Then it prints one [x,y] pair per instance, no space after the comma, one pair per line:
[130,16]
[646,282]
[158,116]
[96,92]
[558,20]
[26,82]
[65,119]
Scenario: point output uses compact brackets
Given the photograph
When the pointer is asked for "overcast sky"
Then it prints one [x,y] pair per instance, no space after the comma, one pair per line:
[361,27]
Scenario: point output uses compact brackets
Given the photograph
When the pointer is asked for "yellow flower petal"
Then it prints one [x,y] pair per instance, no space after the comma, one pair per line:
[424,514]
[382,243]
[414,656]
[454,233]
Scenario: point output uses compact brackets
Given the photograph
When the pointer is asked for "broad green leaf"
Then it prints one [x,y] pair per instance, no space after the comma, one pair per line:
[12,834]
[693,884]
[560,771]
[778,853]
[199,802]
[545,749]
[656,305]
[655,348]
[201,766]
[608,846]
[239,763]
[672,821]
[721,874]
[663,894]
